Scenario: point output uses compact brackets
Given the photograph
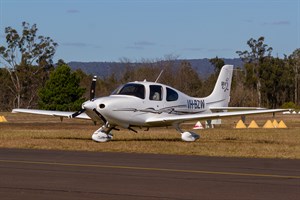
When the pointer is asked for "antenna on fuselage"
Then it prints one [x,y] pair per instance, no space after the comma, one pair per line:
[159,76]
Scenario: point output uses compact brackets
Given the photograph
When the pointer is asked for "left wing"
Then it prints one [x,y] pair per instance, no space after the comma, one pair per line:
[51,113]
[189,117]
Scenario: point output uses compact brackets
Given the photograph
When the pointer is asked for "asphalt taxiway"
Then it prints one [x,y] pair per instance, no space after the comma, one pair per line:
[43,174]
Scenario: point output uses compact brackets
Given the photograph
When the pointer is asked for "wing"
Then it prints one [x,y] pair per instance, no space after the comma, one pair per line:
[218,109]
[51,113]
[189,117]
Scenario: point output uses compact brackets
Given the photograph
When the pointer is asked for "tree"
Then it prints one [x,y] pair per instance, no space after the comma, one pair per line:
[5,94]
[23,51]
[187,79]
[255,57]
[277,82]
[294,59]
[62,91]
[218,63]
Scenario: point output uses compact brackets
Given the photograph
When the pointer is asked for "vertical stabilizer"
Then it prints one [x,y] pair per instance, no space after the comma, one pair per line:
[220,96]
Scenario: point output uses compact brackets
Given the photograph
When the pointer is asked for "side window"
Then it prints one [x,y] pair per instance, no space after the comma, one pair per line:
[172,95]
[137,90]
[155,93]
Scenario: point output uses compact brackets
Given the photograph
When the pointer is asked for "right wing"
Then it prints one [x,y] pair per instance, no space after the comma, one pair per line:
[216,115]
[218,109]
[51,113]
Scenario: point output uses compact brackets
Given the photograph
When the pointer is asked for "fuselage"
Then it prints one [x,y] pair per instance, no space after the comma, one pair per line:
[133,103]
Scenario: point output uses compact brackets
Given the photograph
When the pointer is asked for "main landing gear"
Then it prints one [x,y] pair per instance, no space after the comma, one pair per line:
[187,136]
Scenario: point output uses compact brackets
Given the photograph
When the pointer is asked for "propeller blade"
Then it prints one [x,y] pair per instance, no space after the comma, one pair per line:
[93,87]
[77,113]
[99,115]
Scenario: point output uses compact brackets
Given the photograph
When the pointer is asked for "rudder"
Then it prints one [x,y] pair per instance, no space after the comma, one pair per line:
[220,96]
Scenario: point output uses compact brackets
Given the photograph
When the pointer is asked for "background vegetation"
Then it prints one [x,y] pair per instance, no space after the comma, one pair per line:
[30,79]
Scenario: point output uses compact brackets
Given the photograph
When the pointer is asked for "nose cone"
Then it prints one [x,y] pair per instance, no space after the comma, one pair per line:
[89,105]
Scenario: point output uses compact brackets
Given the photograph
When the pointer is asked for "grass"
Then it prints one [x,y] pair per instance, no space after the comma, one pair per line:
[44,132]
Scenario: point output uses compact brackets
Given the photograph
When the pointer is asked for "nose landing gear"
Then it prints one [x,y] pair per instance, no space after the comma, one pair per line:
[103,134]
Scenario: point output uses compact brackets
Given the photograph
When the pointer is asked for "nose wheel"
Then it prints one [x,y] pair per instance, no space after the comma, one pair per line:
[103,134]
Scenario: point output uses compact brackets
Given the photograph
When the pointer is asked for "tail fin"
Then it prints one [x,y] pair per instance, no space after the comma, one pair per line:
[220,96]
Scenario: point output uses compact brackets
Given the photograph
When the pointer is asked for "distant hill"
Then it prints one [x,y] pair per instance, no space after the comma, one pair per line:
[104,69]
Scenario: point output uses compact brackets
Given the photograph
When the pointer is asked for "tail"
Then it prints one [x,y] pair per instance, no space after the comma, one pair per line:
[220,96]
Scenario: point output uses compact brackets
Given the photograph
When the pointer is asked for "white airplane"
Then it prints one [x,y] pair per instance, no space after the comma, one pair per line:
[151,104]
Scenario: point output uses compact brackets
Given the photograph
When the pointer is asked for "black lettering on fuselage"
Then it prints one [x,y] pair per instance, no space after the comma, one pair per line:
[195,104]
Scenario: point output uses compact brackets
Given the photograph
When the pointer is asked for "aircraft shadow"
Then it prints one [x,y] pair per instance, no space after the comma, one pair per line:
[147,140]
[114,140]
[62,138]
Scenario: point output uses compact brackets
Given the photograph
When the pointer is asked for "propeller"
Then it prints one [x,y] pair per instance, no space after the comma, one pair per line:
[92,96]
[93,87]
[90,103]
[75,114]
[99,115]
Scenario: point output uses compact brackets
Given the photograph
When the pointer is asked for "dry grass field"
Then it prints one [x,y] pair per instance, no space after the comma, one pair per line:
[44,132]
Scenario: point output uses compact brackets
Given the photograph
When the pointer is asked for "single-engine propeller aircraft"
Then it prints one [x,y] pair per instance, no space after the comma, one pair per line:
[151,104]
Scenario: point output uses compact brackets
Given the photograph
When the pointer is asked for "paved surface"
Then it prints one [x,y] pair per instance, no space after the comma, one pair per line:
[38,174]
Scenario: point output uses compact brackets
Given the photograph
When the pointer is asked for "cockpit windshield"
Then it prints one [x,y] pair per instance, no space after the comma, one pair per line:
[132,89]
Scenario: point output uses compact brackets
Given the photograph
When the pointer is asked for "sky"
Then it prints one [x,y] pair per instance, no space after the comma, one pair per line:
[135,30]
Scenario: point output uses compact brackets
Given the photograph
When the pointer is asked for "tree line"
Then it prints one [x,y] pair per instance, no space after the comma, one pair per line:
[30,79]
